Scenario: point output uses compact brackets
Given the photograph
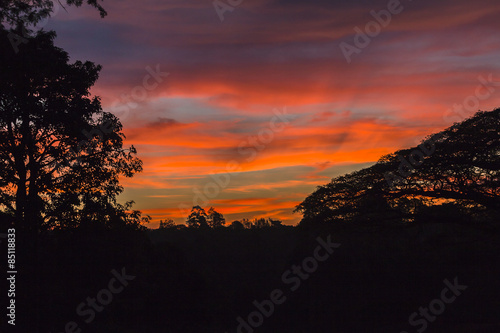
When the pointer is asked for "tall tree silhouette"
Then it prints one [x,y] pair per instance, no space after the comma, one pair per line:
[215,219]
[459,165]
[197,218]
[61,155]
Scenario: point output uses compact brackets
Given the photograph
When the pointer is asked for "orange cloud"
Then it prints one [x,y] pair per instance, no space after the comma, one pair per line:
[226,79]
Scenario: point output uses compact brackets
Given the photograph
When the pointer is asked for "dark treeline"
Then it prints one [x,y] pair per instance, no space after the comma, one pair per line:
[204,279]
[201,219]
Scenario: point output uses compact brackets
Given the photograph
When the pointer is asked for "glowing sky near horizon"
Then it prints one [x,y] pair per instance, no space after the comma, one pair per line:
[228,79]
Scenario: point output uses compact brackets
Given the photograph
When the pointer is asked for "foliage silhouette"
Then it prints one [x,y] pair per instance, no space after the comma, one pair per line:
[260,223]
[166,224]
[61,155]
[16,13]
[458,166]
[198,218]
[215,219]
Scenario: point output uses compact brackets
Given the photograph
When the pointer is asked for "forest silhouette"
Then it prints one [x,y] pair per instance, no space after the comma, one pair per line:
[416,217]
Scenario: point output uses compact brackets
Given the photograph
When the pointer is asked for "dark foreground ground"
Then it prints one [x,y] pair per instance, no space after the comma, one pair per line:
[202,281]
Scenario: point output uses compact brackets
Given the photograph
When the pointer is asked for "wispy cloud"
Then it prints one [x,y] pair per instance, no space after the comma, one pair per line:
[226,78]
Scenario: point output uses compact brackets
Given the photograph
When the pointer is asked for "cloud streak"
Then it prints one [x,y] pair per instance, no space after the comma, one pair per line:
[226,78]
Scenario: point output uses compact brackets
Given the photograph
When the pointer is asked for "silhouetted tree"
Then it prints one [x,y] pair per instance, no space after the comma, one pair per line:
[197,218]
[61,156]
[215,219]
[275,223]
[459,164]
[167,224]
[15,12]
[260,223]
[236,225]
[247,224]
[20,17]
[443,212]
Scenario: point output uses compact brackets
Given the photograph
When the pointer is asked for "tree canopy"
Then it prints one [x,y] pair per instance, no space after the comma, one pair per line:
[199,218]
[458,166]
[15,12]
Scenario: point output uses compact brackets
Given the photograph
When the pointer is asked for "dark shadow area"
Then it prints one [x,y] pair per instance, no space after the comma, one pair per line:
[202,280]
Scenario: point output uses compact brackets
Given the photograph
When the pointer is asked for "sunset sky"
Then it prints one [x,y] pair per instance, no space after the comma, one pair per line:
[217,109]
